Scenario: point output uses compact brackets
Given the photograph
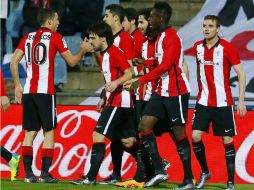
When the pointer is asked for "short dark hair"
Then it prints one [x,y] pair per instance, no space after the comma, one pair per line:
[145,12]
[165,9]
[102,29]
[116,10]
[131,14]
[214,18]
[45,14]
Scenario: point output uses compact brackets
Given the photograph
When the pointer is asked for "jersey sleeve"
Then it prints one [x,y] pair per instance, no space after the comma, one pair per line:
[121,61]
[233,55]
[60,43]
[171,47]
[3,92]
[22,42]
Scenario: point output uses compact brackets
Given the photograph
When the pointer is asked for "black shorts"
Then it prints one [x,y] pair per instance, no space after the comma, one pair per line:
[173,109]
[222,118]
[116,123]
[39,110]
[162,126]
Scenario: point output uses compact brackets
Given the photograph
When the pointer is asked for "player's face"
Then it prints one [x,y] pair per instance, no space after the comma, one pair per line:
[210,29]
[108,18]
[155,20]
[126,24]
[95,41]
[55,22]
[142,24]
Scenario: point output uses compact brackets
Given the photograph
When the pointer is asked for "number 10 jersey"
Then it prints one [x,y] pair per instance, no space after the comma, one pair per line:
[40,48]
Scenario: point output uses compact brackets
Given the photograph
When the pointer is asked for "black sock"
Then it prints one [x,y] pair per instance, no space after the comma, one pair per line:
[184,152]
[140,172]
[230,160]
[6,154]
[46,163]
[28,160]
[98,153]
[150,144]
[47,157]
[117,154]
[199,150]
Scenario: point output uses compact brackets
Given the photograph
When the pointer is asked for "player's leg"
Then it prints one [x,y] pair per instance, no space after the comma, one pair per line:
[224,125]
[46,104]
[177,109]
[13,160]
[201,121]
[153,112]
[31,125]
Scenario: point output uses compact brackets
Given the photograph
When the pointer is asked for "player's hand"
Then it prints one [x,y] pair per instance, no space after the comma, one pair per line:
[138,62]
[241,109]
[100,105]
[86,46]
[5,103]
[18,93]
[111,86]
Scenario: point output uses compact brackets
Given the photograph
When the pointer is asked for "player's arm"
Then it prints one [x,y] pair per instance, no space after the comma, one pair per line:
[111,86]
[16,58]
[171,47]
[241,108]
[186,69]
[73,60]
[5,103]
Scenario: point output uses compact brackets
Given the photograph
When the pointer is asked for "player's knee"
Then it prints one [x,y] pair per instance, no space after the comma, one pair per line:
[128,142]
[29,138]
[97,137]
[227,139]
[196,137]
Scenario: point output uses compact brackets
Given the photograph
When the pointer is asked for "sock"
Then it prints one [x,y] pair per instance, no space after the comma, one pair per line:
[150,145]
[46,157]
[183,147]
[117,154]
[6,154]
[98,153]
[199,150]
[140,172]
[27,153]
[230,160]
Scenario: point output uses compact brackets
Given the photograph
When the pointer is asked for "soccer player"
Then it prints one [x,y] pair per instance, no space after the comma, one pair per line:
[38,96]
[130,25]
[171,98]
[13,159]
[114,16]
[215,57]
[116,119]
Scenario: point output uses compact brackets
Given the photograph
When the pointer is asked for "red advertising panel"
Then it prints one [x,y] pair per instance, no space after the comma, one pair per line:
[73,141]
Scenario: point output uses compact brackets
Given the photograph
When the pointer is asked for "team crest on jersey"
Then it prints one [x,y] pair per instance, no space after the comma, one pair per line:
[64,43]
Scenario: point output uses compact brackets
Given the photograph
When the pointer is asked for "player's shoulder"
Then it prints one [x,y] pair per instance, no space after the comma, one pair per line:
[226,43]
[198,43]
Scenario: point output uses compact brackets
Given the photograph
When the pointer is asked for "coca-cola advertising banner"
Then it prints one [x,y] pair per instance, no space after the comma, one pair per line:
[73,142]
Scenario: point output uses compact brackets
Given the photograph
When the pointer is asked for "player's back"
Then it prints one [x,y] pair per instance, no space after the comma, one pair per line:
[40,48]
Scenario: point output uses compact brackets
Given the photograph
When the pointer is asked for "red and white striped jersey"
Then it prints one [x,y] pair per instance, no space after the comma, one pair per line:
[113,64]
[169,57]
[139,39]
[40,48]
[147,50]
[125,42]
[214,67]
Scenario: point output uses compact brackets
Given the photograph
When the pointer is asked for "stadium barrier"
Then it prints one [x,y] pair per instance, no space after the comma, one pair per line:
[73,141]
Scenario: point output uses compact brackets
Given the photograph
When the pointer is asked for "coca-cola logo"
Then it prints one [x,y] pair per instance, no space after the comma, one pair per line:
[70,126]
[73,142]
